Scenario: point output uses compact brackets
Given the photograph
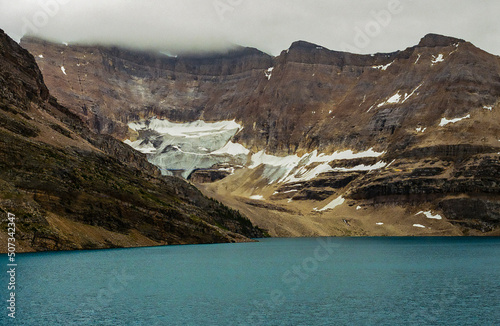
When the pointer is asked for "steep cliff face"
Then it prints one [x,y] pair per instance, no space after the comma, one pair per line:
[313,98]
[411,131]
[73,189]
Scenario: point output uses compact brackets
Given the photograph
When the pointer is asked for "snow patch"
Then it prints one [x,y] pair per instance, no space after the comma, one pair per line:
[269,73]
[334,204]
[230,170]
[380,223]
[445,121]
[438,59]
[40,56]
[397,98]
[418,226]
[490,108]
[257,197]
[429,215]
[63,70]
[394,99]
[358,208]
[420,129]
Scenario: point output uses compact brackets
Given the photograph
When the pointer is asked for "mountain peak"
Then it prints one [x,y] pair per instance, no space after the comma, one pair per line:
[304,45]
[434,40]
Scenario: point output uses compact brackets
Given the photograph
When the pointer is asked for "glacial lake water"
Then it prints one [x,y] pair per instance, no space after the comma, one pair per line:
[325,281]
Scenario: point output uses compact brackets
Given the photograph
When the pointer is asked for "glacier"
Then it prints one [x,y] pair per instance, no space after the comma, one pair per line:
[186,147]
[182,148]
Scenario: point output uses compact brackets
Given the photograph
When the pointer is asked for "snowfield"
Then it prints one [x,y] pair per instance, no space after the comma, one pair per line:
[292,169]
[186,147]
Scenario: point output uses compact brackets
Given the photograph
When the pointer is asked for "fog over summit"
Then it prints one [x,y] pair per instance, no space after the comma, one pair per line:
[196,26]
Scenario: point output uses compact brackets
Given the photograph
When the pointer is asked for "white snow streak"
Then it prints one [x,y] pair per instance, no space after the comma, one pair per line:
[398,98]
[445,121]
[334,204]
[269,73]
[407,96]
[416,61]
[383,67]
[362,167]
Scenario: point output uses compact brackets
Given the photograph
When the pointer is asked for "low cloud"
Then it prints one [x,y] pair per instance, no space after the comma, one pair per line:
[180,26]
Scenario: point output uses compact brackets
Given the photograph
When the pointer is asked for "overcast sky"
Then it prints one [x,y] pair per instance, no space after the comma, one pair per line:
[175,26]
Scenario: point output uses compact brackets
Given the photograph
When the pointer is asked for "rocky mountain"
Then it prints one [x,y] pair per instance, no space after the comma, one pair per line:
[73,189]
[323,142]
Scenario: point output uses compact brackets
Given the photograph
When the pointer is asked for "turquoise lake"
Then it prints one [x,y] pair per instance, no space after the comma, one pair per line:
[323,281]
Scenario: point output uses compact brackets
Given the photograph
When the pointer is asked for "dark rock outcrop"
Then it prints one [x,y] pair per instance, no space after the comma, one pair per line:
[207,175]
